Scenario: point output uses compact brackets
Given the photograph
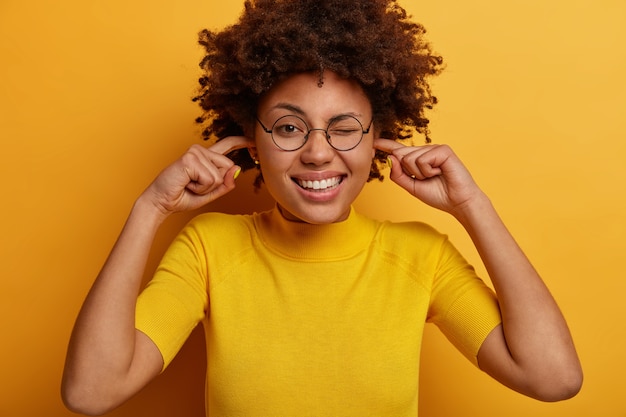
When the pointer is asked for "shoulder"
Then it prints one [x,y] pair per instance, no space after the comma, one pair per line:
[410,232]
[414,243]
[218,229]
[220,220]
[214,215]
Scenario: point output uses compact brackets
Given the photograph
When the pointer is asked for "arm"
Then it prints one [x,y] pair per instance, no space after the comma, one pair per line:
[532,351]
[108,361]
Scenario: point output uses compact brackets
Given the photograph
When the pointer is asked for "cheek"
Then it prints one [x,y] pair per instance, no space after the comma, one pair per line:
[273,164]
[362,164]
[265,151]
[369,153]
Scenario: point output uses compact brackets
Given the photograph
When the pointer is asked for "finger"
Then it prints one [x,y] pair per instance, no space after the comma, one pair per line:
[400,150]
[213,186]
[387,145]
[231,143]
[428,169]
[230,176]
[421,165]
[399,175]
[204,170]
[434,163]
[206,159]
[408,173]
[201,164]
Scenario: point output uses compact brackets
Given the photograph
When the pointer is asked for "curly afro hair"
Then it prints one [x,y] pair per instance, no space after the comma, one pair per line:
[370,41]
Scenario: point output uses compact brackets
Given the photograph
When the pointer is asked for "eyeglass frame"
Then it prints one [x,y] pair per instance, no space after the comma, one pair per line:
[308,133]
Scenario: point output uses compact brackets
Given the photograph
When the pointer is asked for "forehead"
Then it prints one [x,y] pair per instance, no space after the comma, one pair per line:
[303,92]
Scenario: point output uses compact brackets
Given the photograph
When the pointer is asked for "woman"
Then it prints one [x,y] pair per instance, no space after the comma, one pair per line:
[311,308]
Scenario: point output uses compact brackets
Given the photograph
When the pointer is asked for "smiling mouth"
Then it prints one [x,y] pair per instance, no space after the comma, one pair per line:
[319,185]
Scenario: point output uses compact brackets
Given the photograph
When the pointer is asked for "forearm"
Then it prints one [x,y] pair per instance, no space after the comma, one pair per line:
[540,348]
[532,351]
[522,294]
[103,343]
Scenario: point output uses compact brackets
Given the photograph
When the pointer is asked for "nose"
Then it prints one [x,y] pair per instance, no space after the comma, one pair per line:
[317,150]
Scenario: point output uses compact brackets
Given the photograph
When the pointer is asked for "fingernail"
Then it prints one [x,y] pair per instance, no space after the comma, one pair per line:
[237,173]
[389,162]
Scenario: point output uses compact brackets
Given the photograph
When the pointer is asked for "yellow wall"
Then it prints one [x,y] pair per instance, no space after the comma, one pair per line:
[94,101]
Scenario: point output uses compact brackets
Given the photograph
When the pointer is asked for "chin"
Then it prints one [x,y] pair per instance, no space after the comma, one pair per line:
[316,215]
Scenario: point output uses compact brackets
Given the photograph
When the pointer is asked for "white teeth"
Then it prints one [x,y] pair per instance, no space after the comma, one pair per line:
[320,185]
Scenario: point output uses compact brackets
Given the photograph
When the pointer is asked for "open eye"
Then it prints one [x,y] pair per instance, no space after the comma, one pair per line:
[286,129]
[289,126]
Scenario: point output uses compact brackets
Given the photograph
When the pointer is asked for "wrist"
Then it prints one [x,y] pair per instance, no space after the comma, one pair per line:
[474,210]
[150,214]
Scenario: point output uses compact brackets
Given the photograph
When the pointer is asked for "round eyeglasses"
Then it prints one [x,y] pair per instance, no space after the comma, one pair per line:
[291,132]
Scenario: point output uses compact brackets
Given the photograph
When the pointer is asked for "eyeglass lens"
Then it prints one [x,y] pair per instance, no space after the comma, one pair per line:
[291,132]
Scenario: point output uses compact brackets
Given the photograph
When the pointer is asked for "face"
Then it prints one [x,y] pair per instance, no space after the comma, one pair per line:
[316,183]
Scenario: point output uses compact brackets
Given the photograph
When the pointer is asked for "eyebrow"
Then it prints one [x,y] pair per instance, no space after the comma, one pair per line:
[300,112]
[291,107]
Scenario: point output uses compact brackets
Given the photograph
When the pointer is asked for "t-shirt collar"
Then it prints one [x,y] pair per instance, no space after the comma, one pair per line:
[311,241]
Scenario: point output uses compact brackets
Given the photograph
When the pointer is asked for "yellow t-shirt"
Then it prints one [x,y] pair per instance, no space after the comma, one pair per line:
[310,320]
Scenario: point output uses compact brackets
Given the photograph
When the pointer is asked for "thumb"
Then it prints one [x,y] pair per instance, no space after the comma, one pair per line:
[231,175]
[398,175]
[229,181]
[199,199]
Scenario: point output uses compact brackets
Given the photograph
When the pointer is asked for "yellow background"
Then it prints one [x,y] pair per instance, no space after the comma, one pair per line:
[95,100]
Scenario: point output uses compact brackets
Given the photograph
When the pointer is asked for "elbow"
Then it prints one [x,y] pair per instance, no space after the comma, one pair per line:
[83,409]
[82,400]
[560,387]
[567,390]
[80,406]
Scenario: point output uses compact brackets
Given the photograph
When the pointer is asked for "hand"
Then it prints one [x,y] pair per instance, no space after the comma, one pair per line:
[200,176]
[432,173]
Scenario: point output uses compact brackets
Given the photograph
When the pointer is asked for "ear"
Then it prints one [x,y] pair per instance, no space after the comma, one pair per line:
[249,133]
[253,154]
[376,135]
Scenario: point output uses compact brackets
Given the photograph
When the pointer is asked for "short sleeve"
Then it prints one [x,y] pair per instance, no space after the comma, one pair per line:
[176,299]
[463,307]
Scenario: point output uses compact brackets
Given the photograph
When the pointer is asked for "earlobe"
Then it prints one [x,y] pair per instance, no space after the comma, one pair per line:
[253,154]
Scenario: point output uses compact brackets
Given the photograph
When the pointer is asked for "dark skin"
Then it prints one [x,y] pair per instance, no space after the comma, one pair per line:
[109,360]
[532,351]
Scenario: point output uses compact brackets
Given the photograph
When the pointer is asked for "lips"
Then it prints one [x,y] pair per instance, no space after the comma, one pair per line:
[319,185]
